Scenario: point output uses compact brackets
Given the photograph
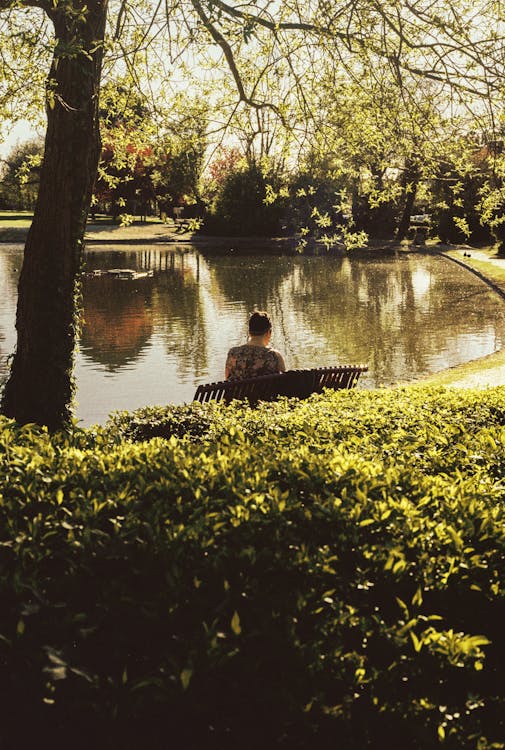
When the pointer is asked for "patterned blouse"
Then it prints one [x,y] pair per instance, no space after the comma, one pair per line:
[249,361]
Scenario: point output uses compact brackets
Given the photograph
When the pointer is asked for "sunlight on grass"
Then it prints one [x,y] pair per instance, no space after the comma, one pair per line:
[15,219]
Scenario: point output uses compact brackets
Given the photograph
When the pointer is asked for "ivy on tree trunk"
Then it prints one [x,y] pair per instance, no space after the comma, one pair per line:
[40,385]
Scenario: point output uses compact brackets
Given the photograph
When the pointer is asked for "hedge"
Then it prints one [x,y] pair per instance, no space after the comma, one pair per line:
[326,574]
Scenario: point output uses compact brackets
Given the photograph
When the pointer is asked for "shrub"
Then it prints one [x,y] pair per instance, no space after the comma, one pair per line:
[325,573]
[240,209]
[194,420]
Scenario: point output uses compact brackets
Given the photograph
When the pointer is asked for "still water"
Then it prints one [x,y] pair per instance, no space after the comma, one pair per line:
[152,340]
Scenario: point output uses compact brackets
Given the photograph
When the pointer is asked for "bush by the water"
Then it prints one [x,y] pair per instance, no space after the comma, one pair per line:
[317,574]
[239,208]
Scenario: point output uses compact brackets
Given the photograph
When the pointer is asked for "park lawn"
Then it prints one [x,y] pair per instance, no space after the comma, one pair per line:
[322,573]
[23,219]
[490,368]
[105,219]
[14,225]
[493,267]
[15,219]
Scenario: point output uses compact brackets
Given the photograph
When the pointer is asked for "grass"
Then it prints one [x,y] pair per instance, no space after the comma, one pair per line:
[489,268]
[15,219]
[469,369]
[14,225]
[106,220]
[23,219]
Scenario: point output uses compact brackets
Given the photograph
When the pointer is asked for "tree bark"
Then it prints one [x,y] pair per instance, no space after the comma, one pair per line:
[40,384]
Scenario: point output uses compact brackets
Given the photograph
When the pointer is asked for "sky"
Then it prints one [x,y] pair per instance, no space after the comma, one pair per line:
[11,134]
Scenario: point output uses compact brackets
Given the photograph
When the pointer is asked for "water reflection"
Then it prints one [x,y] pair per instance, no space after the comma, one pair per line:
[152,340]
[11,257]
[117,320]
[180,318]
[405,316]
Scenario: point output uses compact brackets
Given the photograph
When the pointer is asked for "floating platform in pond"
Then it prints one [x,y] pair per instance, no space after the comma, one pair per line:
[124,274]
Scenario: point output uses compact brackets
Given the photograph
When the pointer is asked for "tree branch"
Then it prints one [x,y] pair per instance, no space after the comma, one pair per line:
[456,39]
[282,25]
[230,59]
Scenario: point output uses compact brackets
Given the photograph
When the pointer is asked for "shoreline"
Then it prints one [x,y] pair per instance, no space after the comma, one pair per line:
[487,371]
[157,233]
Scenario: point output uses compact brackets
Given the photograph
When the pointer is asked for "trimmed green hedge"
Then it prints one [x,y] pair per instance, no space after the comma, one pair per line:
[326,573]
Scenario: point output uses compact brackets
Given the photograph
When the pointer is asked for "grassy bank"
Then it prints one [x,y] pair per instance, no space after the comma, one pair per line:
[15,219]
[23,219]
[322,574]
[14,225]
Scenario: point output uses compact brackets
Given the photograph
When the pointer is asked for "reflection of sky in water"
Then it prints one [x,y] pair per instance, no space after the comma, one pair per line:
[421,283]
[152,341]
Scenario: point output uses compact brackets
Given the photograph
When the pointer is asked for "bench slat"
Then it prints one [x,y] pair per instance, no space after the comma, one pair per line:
[298,383]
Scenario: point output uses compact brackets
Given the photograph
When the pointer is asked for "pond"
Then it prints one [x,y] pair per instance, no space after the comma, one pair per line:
[153,340]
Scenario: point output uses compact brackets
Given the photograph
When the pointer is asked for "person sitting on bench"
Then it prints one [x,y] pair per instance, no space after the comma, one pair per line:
[256,357]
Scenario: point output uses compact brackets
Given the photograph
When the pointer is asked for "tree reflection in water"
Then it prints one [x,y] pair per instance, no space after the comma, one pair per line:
[117,320]
[180,316]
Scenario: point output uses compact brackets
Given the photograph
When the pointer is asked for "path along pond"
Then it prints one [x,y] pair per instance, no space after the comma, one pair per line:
[152,340]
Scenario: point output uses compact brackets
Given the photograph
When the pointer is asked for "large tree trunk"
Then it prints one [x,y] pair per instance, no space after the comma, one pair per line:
[40,385]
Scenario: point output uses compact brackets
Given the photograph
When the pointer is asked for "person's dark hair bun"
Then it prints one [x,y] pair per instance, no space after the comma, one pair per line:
[259,323]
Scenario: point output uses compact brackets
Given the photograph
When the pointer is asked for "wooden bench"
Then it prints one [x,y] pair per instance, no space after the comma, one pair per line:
[293,383]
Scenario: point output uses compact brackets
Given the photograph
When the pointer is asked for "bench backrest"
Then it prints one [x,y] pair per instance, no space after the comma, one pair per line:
[298,383]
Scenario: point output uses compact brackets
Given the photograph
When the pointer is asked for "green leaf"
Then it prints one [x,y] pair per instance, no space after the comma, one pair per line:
[235,623]
[417,599]
[416,642]
[185,678]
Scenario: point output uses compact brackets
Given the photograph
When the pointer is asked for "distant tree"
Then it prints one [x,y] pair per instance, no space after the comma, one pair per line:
[225,161]
[490,159]
[123,185]
[385,140]
[314,207]
[146,162]
[179,153]
[19,183]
